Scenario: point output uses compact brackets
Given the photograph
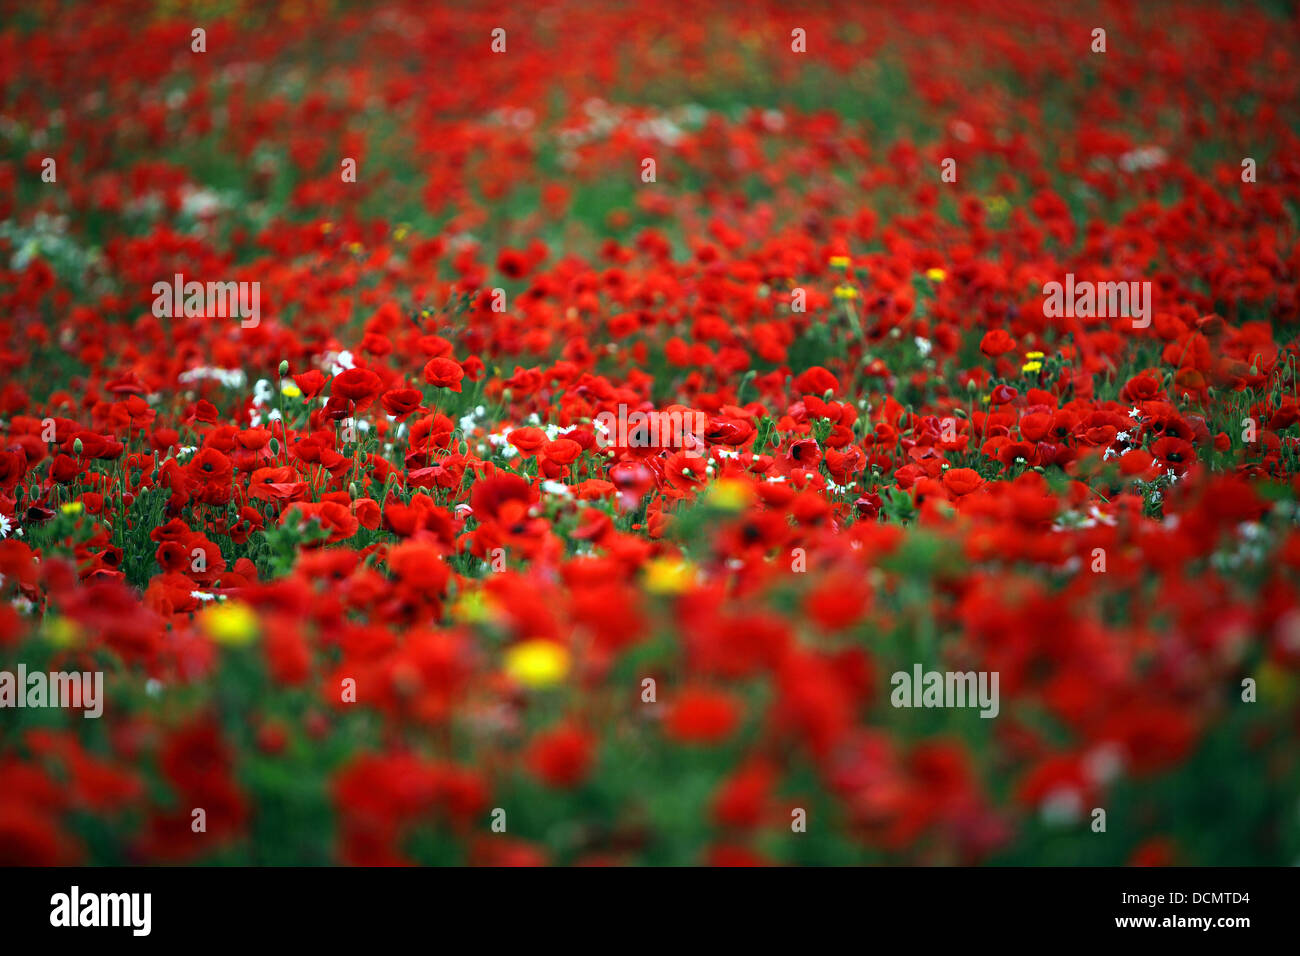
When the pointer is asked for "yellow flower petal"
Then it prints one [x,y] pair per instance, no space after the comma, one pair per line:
[729,494]
[473,607]
[537,663]
[669,576]
[232,623]
[62,632]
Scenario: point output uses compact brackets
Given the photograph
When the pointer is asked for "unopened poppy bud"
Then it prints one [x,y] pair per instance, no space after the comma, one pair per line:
[507,396]
[77,446]
[274,445]
[352,489]
[284,367]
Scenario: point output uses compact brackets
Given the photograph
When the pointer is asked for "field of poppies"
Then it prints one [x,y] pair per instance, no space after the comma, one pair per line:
[487,433]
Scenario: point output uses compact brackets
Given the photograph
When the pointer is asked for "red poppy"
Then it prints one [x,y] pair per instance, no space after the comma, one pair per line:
[702,716]
[401,403]
[444,373]
[359,386]
[997,342]
[961,481]
[561,757]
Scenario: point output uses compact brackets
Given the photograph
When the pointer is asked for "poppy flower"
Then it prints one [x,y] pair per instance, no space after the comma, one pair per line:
[866,437]
[562,451]
[529,441]
[333,517]
[359,386]
[961,481]
[702,717]
[311,383]
[1173,453]
[816,381]
[401,403]
[561,757]
[997,342]
[444,373]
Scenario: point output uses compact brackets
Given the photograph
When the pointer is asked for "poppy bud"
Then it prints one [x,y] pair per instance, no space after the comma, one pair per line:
[77,446]
[274,445]
[352,489]
[284,367]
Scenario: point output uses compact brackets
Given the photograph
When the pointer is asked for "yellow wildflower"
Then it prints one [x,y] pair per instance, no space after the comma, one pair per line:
[537,663]
[729,494]
[669,576]
[473,607]
[232,623]
[62,632]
